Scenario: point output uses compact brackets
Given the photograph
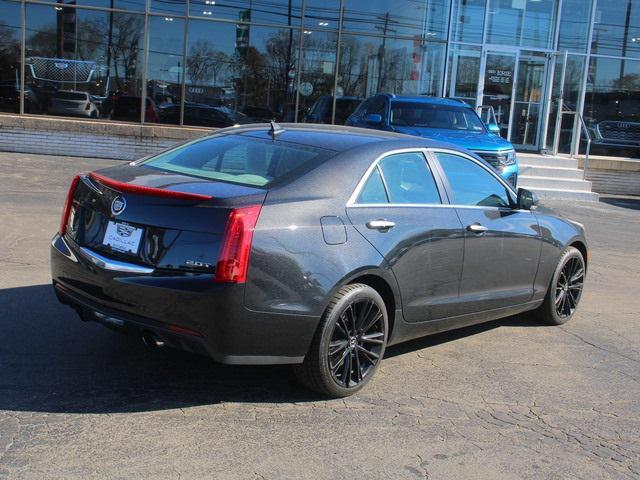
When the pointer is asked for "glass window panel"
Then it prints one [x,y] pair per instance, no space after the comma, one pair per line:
[425,18]
[229,82]
[316,80]
[471,184]
[520,22]
[9,62]
[612,101]
[175,7]
[574,26]
[616,29]
[464,73]
[134,5]
[269,11]
[468,20]
[373,191]
[322,14]
[92,56]
[165,65]
[370,65]
[409,179]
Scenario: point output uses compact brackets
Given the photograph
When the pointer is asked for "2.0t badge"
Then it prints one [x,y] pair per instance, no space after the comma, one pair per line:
[118,205]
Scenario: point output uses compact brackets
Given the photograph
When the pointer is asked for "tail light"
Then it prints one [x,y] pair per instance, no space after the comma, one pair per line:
[66,211]
[233,262]
[150,115]
[88,107]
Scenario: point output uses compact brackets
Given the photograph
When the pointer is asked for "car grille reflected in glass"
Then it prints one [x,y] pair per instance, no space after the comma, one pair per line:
[613,131]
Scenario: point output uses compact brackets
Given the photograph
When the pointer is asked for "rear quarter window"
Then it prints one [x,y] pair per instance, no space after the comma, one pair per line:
[240,159]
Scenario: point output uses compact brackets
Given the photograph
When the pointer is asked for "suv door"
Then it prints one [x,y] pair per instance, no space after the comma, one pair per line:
[398,208]
[502,243]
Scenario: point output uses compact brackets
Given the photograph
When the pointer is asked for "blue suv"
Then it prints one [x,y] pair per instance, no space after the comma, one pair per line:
[447,120]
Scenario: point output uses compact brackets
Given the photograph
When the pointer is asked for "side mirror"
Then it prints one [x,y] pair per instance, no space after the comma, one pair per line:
[373,119]
[493,128]
[527,200]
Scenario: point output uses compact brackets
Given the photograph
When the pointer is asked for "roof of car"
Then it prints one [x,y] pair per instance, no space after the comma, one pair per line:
[426,99]
[337,138]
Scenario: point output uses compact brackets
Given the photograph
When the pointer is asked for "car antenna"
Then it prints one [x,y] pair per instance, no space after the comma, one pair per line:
[275,130]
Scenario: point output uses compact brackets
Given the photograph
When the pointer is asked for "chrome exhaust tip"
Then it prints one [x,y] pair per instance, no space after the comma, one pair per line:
[152,341]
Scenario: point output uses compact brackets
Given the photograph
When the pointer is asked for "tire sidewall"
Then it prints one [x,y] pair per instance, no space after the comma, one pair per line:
[363,292]
[552,314]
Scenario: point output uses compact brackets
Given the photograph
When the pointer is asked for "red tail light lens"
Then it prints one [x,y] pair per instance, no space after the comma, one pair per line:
[88,106]
[233,262]
[66,211]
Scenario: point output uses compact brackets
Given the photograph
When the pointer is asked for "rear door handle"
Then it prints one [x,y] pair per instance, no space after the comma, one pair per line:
[477,228]
[382,225]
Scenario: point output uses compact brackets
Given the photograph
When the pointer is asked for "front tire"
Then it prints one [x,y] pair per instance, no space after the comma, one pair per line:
[565,290]
[349,344]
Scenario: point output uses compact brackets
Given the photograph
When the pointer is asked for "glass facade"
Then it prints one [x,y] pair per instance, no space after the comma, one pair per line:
[216,63]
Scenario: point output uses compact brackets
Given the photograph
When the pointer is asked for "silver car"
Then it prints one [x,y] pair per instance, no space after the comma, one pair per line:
[73,103]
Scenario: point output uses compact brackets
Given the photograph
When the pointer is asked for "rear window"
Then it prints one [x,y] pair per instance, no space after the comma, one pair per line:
[71,95]
[239,159]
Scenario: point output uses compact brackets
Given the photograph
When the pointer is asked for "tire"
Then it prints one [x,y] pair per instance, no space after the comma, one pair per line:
[355,328]
[562,298]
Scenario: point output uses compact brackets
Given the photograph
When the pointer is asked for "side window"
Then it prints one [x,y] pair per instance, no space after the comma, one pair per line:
[471,184]
[378,106]
[362,109]
[373,191]
[408,179]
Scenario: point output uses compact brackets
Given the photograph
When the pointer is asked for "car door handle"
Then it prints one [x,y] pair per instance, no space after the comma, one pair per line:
[382,225]
[477,228]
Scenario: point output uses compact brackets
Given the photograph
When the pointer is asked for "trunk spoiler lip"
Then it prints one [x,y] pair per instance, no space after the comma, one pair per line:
[144,190]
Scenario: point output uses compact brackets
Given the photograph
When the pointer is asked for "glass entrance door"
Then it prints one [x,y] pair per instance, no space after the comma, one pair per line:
[497,91]
[528,101]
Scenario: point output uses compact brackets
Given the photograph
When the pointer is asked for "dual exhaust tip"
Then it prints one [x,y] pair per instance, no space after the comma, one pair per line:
[151,340]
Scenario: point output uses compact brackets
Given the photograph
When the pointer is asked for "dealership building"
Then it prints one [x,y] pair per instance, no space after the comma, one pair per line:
[141,64]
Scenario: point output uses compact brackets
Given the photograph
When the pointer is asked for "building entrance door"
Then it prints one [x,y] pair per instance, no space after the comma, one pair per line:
[513,83]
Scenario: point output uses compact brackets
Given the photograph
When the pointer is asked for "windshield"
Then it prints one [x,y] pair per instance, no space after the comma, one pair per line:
[240,159]
[430,115]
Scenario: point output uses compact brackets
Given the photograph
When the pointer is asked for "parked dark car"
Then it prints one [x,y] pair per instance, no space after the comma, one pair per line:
[320,111]
[201,115]
[126,108]
[310,245]
[10,99]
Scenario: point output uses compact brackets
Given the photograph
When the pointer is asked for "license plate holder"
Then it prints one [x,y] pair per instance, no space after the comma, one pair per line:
[123,237]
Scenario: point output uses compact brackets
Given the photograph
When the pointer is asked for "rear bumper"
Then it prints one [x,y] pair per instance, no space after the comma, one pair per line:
[184,310]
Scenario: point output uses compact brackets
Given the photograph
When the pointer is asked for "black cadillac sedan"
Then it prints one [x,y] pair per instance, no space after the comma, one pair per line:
[317,246]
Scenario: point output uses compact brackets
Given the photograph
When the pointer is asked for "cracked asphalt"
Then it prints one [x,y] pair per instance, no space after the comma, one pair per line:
[505,400]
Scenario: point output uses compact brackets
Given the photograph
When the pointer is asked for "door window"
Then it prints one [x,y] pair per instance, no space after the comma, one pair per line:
[407,180]
[471,184]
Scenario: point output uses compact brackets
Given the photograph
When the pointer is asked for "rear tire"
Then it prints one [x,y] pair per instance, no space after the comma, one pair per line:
[348,345]
[565,289]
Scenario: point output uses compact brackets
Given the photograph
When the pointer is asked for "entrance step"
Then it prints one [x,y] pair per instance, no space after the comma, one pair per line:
[554,178]
[551,172]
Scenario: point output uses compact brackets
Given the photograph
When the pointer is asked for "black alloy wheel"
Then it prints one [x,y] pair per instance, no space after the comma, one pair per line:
[565,290]
[349,343]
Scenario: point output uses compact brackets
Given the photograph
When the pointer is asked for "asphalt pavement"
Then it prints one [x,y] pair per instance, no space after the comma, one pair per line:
[510,399]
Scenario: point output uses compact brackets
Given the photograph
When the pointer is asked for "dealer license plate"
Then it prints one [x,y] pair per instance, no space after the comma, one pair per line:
[123,237]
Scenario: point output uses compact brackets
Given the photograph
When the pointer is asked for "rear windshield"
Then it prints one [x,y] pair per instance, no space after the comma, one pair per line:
[435,116]
[71,95]
[239,159]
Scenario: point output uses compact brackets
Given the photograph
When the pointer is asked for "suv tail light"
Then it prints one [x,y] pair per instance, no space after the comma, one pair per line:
[88,106]
[66,211]
[233,262]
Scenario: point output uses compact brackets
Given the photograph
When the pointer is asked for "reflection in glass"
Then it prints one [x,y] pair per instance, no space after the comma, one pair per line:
[78,61]
[322,14]
[133,5]
[574,26]
[498,87]
[175,7]
[370,65]
[616,29]
[612,101]
[468,20]
[9,62]
[464,73]
[520,22]
[285,12]
[426,18]
[232,82]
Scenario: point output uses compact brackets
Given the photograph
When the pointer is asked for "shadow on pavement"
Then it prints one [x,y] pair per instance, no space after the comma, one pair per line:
[623,202]
[52,362]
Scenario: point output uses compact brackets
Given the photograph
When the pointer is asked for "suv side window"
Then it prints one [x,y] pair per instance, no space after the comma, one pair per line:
[378,106]
[403,178]
[471,184]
